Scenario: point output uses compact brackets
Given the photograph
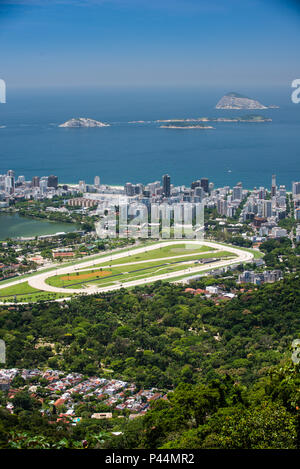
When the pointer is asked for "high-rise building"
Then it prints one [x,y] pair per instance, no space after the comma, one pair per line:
[222,206]
[199,192]
[296,189]
[152,186]
[21,180]
[166,180]
[138,188]
[267,208]
[129,189]
[282,191]
[35,182]
[195,184]
[97,181]
[82,186]
[237,193]
[297,215]
[204,184]
[53,181]
[261,193]
[273,188]
[43,185]
[10,182]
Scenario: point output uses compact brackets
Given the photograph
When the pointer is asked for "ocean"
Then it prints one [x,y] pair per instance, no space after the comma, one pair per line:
[32,144]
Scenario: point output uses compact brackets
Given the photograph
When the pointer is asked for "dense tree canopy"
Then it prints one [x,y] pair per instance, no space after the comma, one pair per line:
[226,365]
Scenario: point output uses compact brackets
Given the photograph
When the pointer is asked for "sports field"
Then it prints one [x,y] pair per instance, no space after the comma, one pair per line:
[165,260]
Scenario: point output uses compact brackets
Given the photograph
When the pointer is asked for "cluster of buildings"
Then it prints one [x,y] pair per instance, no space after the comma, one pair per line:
[140,402]
[211,291]
[114,393]
[296,198]
[12,188]
[7,183]
[8,270]
[227,200]
[261,207]
[139,199]
[7,375]
[257,278]
[162,190]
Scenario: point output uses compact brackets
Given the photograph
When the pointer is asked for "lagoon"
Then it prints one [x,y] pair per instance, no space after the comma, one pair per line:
[13,226]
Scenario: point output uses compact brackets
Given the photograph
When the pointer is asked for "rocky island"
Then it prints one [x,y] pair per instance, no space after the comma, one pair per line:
[83,122]
[238,101]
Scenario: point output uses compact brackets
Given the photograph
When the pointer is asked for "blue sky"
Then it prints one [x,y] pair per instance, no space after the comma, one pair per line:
[139,42]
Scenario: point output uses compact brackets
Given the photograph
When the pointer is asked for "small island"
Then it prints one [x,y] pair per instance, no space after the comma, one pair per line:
[198,123]
[248,118]
[185,125]
[83,122]
[238,101]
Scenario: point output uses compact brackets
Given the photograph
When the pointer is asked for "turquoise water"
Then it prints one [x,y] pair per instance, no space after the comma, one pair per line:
[13,226]
[32,144]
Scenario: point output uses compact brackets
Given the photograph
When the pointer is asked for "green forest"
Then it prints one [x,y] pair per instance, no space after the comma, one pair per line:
[225,366]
